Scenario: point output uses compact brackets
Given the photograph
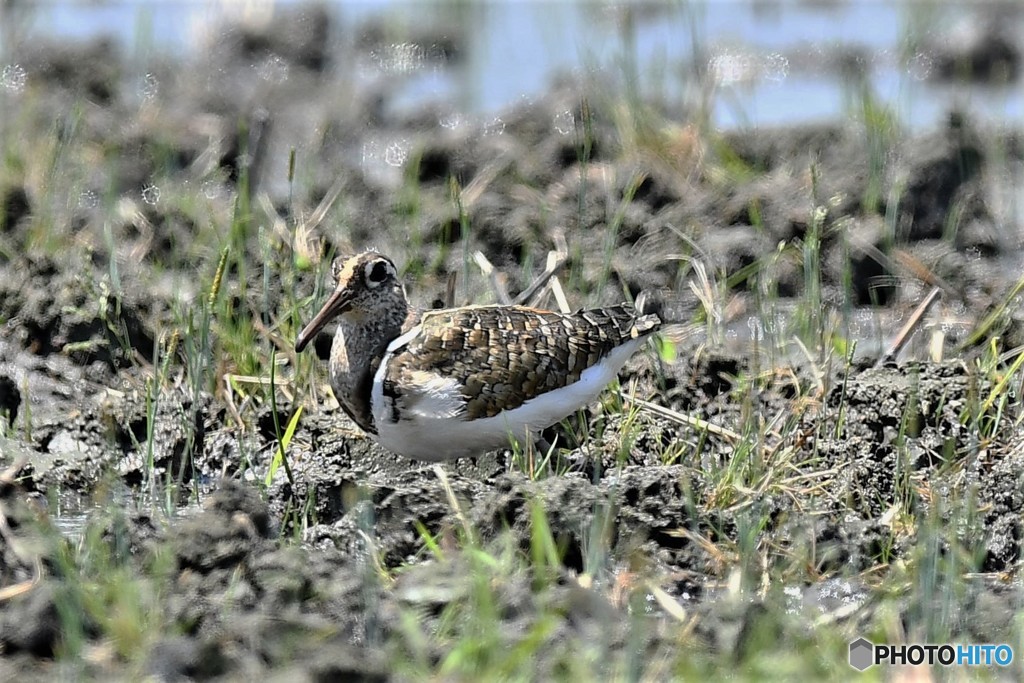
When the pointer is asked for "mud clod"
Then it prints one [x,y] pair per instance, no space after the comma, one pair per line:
[941,177]
[31,623]
[10,399]
[15,206]
[224,534]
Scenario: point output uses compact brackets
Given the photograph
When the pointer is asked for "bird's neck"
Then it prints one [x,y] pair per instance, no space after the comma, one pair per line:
[356,353]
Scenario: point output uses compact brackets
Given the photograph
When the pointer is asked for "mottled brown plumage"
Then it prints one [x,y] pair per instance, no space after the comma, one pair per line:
[503,356]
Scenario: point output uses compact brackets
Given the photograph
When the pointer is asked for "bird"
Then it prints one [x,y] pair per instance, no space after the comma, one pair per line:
[459,382]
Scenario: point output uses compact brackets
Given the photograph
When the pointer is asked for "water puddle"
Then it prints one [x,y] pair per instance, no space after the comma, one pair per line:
[767,63]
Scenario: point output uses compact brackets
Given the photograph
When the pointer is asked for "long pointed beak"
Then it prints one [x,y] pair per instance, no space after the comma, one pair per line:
[335,305]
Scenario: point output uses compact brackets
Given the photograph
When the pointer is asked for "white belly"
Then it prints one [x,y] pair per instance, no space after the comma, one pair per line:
[437,435]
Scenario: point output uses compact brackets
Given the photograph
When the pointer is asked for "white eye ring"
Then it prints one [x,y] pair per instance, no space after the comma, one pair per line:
[378,272]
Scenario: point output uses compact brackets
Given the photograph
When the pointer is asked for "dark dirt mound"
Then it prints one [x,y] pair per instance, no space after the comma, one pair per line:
[59,312]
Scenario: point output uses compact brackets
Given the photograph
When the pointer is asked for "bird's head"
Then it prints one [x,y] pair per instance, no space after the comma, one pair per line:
[366,288]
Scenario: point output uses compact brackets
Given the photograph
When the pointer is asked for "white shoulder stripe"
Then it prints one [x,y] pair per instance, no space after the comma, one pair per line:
[393,347]
[377,389]
[401,341]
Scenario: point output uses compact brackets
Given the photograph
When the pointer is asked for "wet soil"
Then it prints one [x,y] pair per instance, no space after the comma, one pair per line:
[288,579]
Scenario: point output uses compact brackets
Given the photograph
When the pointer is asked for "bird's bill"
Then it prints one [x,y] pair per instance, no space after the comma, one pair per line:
[335,305]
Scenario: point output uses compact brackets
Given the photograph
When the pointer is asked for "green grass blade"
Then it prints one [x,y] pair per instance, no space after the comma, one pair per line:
[286,438]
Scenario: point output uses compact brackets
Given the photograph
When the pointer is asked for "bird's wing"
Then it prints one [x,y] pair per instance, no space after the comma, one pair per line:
[476,361]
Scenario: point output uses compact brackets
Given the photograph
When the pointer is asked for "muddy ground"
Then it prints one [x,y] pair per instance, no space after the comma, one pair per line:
[287,579]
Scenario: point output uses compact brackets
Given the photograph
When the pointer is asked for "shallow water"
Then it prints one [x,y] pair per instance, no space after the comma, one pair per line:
[72,513]
[770,62]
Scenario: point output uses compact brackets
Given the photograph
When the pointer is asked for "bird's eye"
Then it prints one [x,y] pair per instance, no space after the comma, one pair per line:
[378,272]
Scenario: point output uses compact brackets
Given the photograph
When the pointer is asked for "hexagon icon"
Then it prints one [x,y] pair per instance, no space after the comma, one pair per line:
[861,654]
